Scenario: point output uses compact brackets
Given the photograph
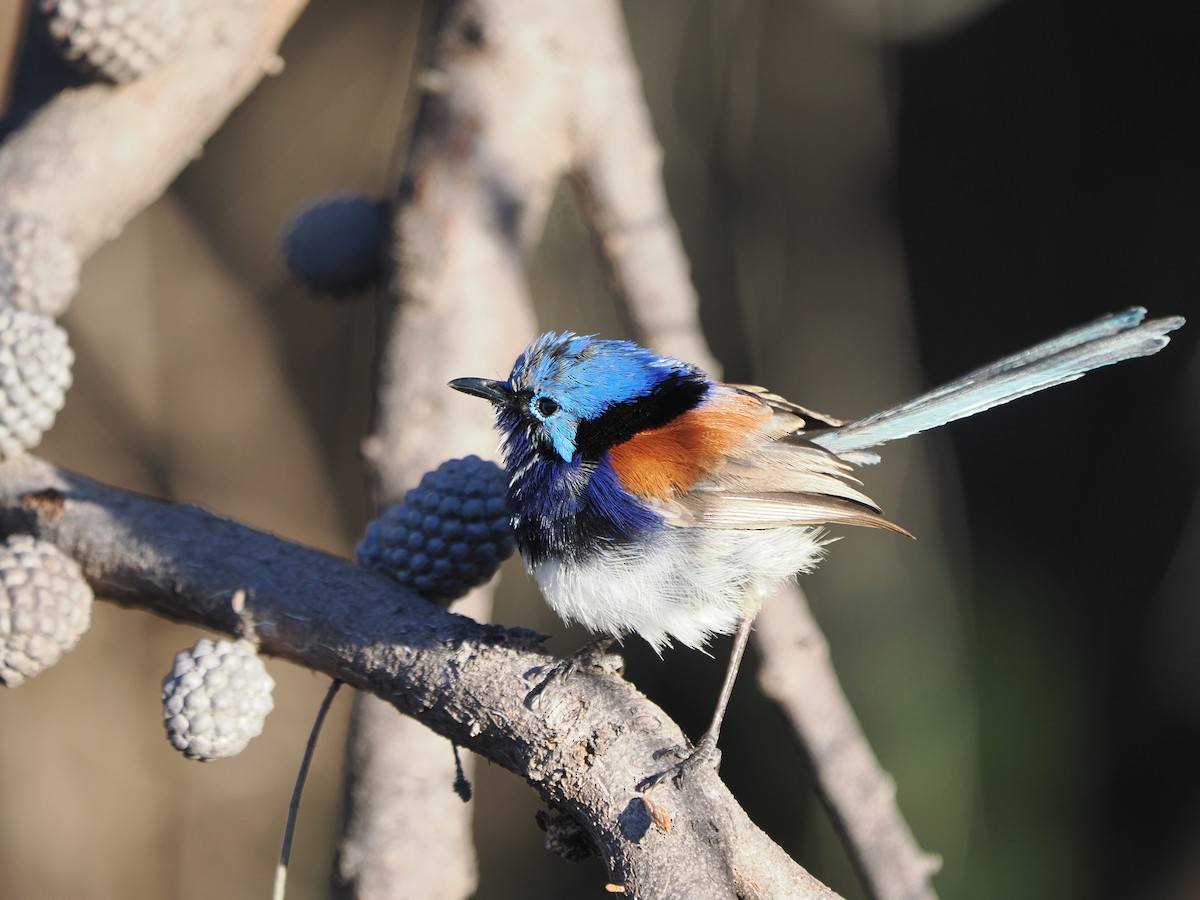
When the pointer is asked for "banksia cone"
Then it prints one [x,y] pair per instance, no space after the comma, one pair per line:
[39,270]
[216,698]
[446,536]
[45,607]
[35,372]
[120,40]
[335,245]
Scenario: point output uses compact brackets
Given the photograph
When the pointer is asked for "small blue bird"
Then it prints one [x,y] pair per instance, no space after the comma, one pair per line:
[647,498]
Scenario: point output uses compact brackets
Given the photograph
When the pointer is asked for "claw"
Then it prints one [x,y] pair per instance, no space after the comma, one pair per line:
[690,762]
[591,655]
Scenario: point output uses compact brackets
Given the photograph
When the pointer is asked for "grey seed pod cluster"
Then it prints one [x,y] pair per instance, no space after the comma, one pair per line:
[39,270]
[216,698]
[45,607]
[120,40]
[35,372]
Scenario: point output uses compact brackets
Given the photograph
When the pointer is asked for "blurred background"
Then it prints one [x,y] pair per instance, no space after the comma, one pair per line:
[876,197]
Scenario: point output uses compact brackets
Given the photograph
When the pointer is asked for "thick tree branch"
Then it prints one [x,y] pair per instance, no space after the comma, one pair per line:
[585,748]
[476,189]
[617,174]
[92,158]
[471,203]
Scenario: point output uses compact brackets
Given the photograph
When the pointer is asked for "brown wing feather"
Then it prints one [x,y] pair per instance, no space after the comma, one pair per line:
[811,418]
[751,511]
[778,483]
[738,463]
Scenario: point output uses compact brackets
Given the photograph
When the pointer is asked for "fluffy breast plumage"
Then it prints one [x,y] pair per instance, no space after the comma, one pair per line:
[686,585]
[668,533]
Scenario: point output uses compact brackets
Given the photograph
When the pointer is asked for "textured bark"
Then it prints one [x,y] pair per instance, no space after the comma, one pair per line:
[584,747]
[470,206]
[617,175]
[515,95]
[93,158]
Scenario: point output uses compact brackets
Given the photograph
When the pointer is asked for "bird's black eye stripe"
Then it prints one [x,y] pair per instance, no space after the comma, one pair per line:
[546,407]
[673,396]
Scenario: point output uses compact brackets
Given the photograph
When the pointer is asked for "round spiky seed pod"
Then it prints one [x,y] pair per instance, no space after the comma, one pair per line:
[39,270]
[45,607]
[120,40]
[35,372]
[216,698]
[335,245]
[446,536]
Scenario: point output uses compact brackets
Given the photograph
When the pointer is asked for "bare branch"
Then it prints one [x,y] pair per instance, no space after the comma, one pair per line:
[406,833]
[617,174]
[797,673]
[471,203]
[618,181]
[92,158]
[584,750]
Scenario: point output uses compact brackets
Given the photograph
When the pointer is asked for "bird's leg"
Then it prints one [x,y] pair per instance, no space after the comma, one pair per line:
[590,656]
[706,748]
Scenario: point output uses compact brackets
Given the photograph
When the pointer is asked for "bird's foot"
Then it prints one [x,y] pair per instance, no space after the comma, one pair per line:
[592,655]
[691,760]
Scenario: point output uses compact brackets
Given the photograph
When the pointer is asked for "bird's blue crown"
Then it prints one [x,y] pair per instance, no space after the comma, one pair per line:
[580,394]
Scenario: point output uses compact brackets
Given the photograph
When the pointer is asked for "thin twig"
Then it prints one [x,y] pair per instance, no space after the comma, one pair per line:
[616,170]
[91,195]
[285,852]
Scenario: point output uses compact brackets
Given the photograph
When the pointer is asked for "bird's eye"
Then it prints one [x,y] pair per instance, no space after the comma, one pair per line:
[545,407]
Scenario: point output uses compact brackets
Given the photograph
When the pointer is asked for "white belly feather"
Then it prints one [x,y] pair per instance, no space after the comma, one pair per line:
[689,585]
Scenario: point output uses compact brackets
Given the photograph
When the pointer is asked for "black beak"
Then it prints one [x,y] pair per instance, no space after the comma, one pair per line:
[493,391]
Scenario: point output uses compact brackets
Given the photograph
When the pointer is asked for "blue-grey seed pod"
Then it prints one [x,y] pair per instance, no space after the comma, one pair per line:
[447,535]
[336,245]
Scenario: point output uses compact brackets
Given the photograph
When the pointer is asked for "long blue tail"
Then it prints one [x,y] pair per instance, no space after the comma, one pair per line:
[1109,340]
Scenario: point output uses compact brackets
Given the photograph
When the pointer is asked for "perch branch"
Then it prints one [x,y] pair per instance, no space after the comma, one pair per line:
[91,159]
[617,176]
[591,742]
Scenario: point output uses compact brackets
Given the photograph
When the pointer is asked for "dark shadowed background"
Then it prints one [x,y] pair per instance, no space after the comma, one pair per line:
[876,197]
